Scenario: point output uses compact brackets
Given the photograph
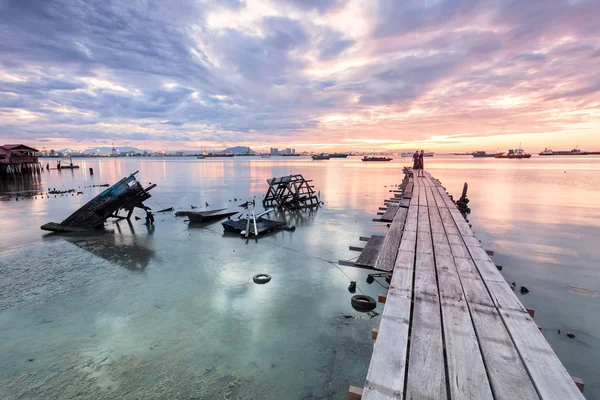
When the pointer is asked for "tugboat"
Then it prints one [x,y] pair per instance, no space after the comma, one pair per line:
[322,156]
[365,158]
[514,154]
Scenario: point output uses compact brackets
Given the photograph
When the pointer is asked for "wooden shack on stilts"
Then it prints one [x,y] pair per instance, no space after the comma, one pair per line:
[291,192]
[17,160]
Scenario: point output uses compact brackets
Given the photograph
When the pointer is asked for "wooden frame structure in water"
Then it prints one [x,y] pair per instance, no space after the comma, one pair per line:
[291,192]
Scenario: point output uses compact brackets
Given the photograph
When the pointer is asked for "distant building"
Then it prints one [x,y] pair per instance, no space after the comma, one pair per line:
[274,151]
[289,151]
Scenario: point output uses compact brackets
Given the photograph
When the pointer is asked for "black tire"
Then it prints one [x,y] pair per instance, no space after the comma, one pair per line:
[370,279]
[261,279]
[363,303]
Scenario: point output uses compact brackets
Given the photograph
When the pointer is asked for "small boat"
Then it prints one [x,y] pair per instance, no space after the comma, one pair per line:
[265,156]
[339,155]
[514,154]
[126,194]
[206,216]
[201,157]
[365,158]
[322,156]
[479,154]
[407,154]
[70,166]
[253,225]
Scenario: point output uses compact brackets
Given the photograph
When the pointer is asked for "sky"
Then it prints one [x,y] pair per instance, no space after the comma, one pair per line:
[359,75]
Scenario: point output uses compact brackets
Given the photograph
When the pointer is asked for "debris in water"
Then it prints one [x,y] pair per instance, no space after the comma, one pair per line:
[524,290]
[126,194]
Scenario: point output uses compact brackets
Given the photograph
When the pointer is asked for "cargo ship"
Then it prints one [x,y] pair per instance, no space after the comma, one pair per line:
[574,152]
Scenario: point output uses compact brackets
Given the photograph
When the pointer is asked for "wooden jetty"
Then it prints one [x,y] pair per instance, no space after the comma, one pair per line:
[126,194]
[451,328]
[290,192]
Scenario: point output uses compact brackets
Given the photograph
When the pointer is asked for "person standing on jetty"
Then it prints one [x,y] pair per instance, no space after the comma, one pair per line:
[421,164]
[416,161]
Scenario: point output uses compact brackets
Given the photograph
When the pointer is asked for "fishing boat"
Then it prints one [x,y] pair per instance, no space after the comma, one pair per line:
[125,195]
[365,158]
[514,154]
[70,166]
[253,225]
[479,154]
[322,156]
[206,216]
[339,155]
[200,157]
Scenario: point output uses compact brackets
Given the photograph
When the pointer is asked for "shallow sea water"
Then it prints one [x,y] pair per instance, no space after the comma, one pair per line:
[172,312]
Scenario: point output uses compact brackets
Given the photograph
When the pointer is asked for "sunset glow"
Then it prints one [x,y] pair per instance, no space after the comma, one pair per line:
[354,75]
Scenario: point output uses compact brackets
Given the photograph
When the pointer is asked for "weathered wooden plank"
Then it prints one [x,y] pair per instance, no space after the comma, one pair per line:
[387,255]
[435,221]
[426,367]
[408,191]
[488,271]
[389,214]
[404,203]
[422,197]
[448,221]
[385,378]
[549,376]
[507,374]
[505,370]
[466,370]
[504,298]
[387,370]
[369,255]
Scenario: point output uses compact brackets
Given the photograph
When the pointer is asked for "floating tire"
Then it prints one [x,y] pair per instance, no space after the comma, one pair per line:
[363,303]
[261,279]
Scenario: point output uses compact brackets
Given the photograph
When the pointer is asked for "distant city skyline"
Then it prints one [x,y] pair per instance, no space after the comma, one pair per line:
[357,75]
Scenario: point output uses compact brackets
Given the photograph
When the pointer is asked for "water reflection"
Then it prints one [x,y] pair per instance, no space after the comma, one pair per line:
[131,252]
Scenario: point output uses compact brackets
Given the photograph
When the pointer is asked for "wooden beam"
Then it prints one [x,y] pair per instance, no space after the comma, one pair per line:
[578,383]
[355,248]
[355,393]
[530,311]
[382,298]
[374,333]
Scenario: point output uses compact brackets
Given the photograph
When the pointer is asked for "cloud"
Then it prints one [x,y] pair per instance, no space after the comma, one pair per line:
[257,71]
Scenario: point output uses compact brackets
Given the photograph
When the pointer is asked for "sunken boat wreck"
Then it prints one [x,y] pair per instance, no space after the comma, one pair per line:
[126,194]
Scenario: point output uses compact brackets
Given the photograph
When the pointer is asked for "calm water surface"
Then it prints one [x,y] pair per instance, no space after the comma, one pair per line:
[172,312]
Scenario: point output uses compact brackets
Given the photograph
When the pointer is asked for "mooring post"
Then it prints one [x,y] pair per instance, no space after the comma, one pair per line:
[91,171]
[464,192]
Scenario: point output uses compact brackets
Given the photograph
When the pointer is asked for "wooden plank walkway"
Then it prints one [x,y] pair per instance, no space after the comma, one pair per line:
[451,327]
